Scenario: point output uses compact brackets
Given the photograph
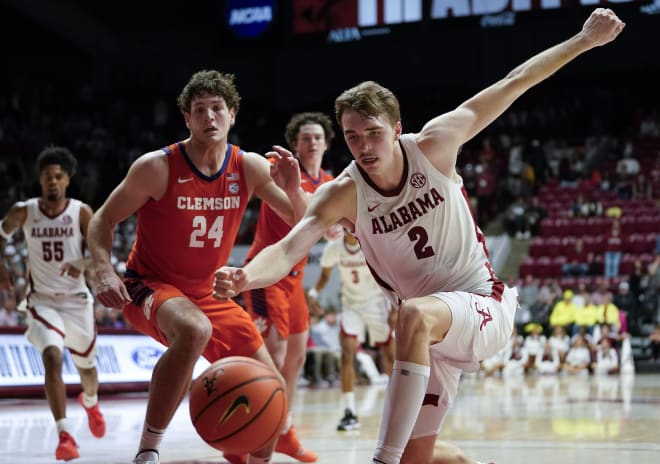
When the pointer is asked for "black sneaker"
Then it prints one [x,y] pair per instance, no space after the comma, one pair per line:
[348,422]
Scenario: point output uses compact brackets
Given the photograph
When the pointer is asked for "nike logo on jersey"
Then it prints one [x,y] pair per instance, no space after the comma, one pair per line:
[373,207]
[183,181]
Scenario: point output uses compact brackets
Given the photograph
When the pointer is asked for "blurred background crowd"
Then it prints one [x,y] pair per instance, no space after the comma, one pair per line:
[570,174]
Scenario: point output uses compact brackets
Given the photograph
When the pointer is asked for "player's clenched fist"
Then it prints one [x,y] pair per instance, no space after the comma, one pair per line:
[229,282]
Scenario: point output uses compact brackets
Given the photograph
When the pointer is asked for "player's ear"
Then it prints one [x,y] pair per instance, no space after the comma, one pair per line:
[398,128]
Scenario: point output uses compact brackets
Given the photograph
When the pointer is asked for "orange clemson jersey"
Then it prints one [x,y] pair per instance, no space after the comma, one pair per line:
[271,228]
[189,233]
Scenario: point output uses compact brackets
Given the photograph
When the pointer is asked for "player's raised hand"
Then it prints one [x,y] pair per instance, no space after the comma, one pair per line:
[285,171]
[229,282]
[111,291]
[602,26]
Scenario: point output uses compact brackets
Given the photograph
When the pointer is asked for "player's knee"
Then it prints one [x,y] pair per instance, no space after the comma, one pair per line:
[195,331]
[411,321]
[52,357]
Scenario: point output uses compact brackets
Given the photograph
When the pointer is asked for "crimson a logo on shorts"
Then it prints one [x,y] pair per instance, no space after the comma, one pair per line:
[418,180]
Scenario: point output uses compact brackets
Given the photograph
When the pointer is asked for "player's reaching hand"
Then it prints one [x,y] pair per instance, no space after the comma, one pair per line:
[70,270]
[602,26]
[111,291]
[285,171]
[229,282]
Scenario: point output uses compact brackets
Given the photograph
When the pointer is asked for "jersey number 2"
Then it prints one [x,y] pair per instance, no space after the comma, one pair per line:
[200,232]
[419,235]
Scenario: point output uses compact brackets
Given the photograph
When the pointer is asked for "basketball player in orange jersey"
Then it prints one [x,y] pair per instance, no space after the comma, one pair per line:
[280,311]
[190,198]
[60,306]
[408,207]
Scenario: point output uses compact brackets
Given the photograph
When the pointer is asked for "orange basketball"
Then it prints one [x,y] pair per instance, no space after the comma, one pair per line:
[238,405]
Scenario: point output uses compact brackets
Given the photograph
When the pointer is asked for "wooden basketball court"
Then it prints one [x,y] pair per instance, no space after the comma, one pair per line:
[539,420]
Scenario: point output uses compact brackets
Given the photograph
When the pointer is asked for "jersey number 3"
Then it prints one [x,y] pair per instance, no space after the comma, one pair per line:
[201,232]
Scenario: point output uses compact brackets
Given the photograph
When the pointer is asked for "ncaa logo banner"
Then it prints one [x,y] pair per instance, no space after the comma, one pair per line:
[249,18]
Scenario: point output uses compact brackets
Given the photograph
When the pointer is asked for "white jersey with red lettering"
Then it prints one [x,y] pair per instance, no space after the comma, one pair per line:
[421,238]
[51,242]
[358,287]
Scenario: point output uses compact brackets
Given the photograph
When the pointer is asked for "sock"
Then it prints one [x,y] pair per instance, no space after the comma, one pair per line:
[403,402]
[62,425]
[256,460]
[349,401]
[89,401]
[151,438]
[287,424]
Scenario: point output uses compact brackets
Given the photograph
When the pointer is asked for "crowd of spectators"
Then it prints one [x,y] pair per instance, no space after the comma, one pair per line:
[558,139]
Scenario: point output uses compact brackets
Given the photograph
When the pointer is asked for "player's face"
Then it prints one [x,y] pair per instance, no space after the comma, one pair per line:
[370,139]
[54,182]
[209,119]
[310,144]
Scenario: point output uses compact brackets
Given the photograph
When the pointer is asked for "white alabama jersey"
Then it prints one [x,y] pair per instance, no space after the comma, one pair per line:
[51,242]
[421,239]
[359,289]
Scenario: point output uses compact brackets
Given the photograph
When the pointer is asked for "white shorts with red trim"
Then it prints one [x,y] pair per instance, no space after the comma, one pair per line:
[63,321]
[481,326]
[373,318]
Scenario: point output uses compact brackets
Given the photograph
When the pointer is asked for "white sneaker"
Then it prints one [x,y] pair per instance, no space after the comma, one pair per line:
[146,457]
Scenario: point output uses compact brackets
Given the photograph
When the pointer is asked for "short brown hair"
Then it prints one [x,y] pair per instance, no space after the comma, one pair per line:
[212,83]
[300,119]
[370,99]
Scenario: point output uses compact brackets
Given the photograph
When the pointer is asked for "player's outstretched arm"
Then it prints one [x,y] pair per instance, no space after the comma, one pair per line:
[332,203]
[456,127]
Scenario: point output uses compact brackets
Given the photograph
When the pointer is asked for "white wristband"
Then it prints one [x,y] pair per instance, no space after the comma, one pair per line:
[312,293]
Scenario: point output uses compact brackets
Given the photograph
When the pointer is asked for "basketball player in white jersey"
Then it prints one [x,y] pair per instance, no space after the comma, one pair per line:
[408,207]
[363,306]
[59,303]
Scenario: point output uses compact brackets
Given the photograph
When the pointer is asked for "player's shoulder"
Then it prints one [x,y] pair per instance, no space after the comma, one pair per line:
[156,160]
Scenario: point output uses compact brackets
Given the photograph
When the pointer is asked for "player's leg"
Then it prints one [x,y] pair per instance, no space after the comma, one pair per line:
[296,351]
[235,334]
[46,332]
[387,355]
[421,321]
[347,374]
[164,313]
[78,316]
[380,333]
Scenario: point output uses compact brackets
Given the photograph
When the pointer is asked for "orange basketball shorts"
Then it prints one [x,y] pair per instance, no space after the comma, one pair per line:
[234,333]
[282,305]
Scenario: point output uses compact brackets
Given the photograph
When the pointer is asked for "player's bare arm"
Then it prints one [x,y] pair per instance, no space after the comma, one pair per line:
[332,203]
[289,204]
[441,138]
[146,180]
[14,219]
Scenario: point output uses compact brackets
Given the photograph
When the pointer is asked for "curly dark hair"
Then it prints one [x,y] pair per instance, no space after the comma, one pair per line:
[57,155]
[212,83]
[300,119]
